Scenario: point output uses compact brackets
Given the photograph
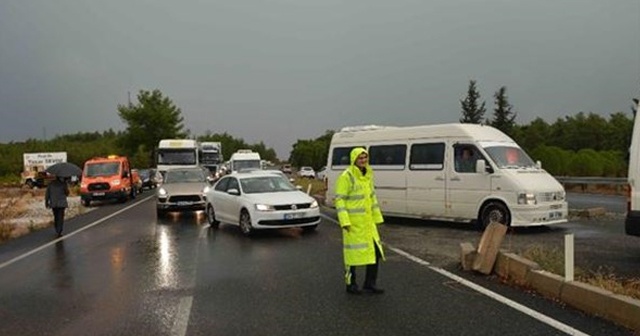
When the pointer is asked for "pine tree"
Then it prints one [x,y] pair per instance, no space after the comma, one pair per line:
[503,115]
[471,112]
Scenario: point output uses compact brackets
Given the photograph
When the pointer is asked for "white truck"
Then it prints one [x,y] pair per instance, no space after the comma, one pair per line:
[211,156]
[34,165]
[177,153]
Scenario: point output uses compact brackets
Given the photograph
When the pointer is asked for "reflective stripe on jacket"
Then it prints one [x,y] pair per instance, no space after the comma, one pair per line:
[357,207]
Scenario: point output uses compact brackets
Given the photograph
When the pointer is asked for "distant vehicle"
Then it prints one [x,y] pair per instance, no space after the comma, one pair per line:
[322,173]
[417,175]
[632,221]
[149,178]
[106,178]
[307,172]
[260,200]
[136,180]
[183,189]
[177,153]
[211,156]
[34,165]
[286,168]
[244,159]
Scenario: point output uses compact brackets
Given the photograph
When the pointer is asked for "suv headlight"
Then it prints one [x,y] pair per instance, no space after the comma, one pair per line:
[162,192]
[527,198]
[264,207]
[116,182]
[314,204]
[206,189]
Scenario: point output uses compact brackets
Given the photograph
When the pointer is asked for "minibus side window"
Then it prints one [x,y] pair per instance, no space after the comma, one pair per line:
[387,157]
[341,156]
[428,156]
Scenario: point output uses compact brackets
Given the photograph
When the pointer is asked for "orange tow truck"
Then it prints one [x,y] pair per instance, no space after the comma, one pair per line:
[106,178]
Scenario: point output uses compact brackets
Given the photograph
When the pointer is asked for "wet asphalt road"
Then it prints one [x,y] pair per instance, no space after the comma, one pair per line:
[132,275]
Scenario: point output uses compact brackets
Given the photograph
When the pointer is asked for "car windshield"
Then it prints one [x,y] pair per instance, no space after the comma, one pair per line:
[246,164]
[102,169]
[509,157]
[183,175]
[144,173]
[265,184]
[176,156]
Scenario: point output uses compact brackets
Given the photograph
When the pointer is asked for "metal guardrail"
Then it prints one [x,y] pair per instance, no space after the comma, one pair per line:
[592,180]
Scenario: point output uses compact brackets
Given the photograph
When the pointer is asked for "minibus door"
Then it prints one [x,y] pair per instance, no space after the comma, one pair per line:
[465,187]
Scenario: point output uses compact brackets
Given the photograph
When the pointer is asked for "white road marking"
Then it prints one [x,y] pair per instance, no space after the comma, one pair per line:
[53,242]
[517,306]
[182,319]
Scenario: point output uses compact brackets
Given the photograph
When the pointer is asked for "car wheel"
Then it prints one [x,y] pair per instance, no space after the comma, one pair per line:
[245,223]
[86,202]
[160,213]
[308,229]
[211,217]
[134,192]
[494,212]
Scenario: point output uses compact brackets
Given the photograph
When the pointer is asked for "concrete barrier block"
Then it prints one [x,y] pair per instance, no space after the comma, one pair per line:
[488,247]
[467,256]
[514,267]
[546,283]
[624,311]
[585,297]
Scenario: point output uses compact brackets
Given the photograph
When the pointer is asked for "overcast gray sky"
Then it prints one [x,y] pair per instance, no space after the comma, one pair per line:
[279,71]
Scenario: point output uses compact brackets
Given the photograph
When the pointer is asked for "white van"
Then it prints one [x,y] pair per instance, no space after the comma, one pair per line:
[632,222]
[418,174]
[245,159]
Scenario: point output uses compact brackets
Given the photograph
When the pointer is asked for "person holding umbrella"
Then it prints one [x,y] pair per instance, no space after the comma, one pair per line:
[55,197]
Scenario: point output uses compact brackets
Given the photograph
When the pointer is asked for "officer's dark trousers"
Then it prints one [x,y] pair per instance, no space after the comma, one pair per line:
[371,274]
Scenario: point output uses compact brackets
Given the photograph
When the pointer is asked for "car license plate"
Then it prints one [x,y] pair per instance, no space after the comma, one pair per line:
[555,214]
[184,203]
[98,194]
[293,215]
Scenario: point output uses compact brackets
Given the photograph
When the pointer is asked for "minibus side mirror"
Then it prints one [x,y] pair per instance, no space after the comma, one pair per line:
[482,168]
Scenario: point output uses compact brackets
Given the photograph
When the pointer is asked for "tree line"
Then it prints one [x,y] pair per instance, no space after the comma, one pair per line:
[579,145]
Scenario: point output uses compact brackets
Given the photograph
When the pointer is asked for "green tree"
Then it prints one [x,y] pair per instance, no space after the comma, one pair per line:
[471,111]
[503,115]
[152,119]
[311,152]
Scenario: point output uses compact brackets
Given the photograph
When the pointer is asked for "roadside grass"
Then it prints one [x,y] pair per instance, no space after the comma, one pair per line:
[317,186]
[552,260]
[11,207]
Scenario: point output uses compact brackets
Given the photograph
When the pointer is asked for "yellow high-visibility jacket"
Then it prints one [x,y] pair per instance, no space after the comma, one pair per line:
[357,207]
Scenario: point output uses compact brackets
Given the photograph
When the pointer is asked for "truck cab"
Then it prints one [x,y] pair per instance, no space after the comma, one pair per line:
[105,178]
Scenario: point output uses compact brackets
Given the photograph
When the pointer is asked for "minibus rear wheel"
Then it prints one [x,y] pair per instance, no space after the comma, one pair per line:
[494,212]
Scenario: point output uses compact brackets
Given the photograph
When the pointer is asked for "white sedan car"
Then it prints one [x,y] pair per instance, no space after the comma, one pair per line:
[260,200]
[307,172]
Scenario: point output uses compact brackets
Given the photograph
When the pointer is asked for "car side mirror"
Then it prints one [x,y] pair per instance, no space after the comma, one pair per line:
[538,164]
[299,187]
[233,191]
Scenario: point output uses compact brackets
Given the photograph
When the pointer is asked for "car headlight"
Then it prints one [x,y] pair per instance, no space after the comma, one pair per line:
[206,189]
[264,207]
[527,198]
[162,192]
[116,182]
[314,204]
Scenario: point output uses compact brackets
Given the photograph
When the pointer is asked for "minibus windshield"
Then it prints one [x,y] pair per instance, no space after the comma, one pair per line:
[509,157]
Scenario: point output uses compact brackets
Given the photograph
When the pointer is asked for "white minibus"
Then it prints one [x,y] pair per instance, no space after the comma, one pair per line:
[419,173]
[245,159]
[632,222]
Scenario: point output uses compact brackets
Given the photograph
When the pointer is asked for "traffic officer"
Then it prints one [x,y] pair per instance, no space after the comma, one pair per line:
[359,215]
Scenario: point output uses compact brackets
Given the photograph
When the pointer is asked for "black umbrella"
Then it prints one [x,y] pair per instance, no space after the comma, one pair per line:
[64,169]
